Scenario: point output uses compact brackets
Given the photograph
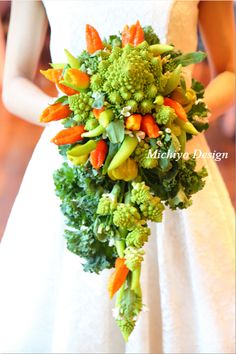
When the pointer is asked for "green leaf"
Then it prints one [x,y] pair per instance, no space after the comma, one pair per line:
[98,100]
[190,58]
[113,148]
[116,132]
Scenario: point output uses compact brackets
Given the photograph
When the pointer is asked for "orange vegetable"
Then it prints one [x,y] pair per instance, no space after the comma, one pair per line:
[93,40]
[132,35]
[67,90]
[53,75]
[177,107]
[133,122]
[118,277]
[69,136]
[55,111]
[97,111]
[149,126]
[97,156]
[75,79]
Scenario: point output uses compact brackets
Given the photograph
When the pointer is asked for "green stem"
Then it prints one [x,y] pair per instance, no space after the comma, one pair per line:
[120,247]
[135,281]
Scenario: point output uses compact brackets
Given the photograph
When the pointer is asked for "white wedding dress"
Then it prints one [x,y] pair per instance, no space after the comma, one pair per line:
[48,304]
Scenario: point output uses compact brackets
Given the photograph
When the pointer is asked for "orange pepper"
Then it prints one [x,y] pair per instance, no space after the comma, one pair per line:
[149,126]
[67,90]
[93,40]
[132,35]
[53,75]
[97,111]
[55,111]
[179,110]
[69,136]
[97,156]
[75,79]
[133,122]
[118,277]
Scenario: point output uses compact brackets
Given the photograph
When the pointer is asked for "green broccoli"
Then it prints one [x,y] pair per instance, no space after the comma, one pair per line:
[165,115]
[153,209]
[126,216]
[108,202]
[138,236]
[81,104]
[142,155]
[133,257]
[150,36]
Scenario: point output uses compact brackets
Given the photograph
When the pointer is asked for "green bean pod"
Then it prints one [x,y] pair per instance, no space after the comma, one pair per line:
[127,147]
[158,49]
[80,150]
[173,80]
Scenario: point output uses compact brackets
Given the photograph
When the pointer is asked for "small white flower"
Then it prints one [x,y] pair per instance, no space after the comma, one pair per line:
[111,242]
[129,132]
[168,130]
[126,111]
[140,135]
[159,143]
[89,71]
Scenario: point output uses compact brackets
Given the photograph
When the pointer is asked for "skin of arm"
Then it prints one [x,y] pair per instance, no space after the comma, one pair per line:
[216,21]
[28,26]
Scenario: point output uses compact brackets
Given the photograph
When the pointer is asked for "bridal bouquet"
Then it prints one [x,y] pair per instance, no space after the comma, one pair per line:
[127,112]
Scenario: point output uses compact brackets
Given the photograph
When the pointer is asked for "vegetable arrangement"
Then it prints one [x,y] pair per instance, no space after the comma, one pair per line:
[123,100]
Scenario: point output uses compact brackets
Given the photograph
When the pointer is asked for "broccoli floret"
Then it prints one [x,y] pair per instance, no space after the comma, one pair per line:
[81,104]
[153,209]
[138,236]
[133,257]
[126,216]
[142,155]
[165,115]
[140,193]
[150,36]
[108,203]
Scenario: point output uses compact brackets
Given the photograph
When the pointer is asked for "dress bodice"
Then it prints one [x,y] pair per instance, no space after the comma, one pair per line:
[173,20]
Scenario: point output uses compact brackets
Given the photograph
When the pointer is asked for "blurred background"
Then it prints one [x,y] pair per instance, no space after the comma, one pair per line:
[18,138]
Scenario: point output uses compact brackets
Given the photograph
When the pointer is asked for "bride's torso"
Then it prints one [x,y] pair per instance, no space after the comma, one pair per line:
[173,20]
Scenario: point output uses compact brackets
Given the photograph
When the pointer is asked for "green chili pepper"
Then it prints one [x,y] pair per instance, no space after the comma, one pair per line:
[187,127]
[74,63]
[78,160]
[158,49]
[127,147]
[173,80]
[105,117]
[182,140]
[80,150]
[94,132]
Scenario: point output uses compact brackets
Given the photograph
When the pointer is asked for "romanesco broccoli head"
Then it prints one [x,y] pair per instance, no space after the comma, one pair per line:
[165,115]
[133,257]
[143,157]
[81,104]
[107,204]
[153,209]
[140,193]
[138,236]
[126,216]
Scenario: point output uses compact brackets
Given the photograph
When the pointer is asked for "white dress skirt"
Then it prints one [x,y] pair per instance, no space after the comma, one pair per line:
[48,304]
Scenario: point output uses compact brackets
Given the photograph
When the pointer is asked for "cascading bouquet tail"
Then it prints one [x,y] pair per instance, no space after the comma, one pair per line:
[127,112]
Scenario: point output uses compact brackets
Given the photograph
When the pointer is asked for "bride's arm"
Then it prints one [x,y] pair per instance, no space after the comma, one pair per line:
[216,20]
[28,25]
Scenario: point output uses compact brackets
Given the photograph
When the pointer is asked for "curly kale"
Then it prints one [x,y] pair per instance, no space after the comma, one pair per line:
[90,62]
[80,189]
[150,36]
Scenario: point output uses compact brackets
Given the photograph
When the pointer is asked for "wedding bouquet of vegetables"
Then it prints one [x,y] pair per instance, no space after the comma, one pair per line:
[127,113]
